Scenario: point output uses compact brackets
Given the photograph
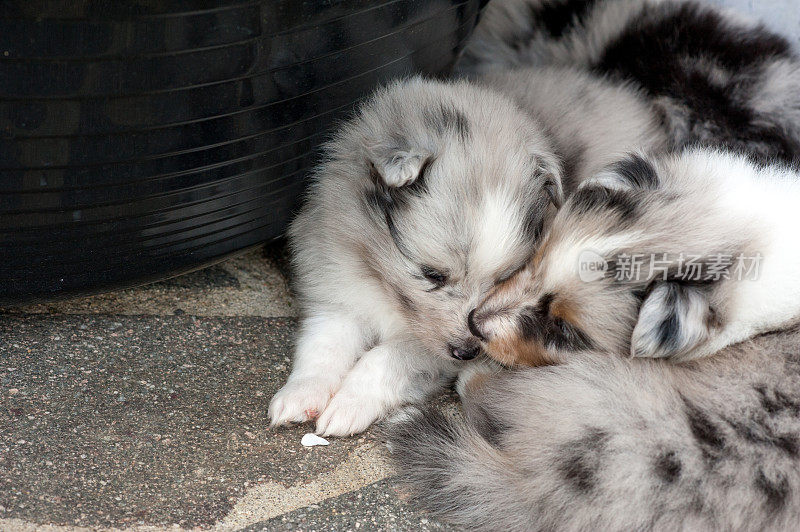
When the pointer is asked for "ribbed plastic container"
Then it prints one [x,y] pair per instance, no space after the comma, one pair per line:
[144,138]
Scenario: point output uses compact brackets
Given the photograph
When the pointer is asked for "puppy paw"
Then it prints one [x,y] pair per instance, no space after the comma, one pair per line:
[349,413]
[299,401]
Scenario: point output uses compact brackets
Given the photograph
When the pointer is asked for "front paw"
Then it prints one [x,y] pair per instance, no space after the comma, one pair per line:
[300,401]
[349,413]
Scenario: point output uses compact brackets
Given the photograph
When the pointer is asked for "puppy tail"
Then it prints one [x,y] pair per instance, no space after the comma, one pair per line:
[452,472]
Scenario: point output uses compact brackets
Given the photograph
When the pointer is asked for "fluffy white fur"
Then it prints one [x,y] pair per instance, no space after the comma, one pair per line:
[736,190]
[436,191]
[611,443]
[376,332]
[702,203]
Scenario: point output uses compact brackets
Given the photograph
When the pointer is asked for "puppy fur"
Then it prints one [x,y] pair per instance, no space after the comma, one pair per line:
[436,191]
[617,443]
[606,443]
[716,78]
[416,213]
[736,221]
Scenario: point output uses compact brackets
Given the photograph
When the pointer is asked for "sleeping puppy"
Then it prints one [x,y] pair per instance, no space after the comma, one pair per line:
[716,78]
[671,257]
[610,443]
[436,191]
[431,195]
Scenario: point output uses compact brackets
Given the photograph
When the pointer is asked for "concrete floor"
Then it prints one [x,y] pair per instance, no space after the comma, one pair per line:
[146,409]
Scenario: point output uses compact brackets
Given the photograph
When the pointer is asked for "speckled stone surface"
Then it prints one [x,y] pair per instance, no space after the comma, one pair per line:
[147,410]
[387,512]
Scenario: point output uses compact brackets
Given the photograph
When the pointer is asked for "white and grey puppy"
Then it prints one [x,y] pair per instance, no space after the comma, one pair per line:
[611,443]
[607,442]
[691,252]
[431,195]
[436,191]
[716,78]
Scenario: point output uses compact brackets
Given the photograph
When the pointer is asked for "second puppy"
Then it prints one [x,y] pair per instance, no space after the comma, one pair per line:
[673,257]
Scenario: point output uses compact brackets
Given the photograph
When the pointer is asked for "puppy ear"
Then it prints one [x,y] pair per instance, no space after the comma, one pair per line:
[554,189]
[397,168]
[550,170]
[673,320]
[632,173]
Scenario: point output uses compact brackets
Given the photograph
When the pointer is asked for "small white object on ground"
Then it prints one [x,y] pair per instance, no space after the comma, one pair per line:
[311,440]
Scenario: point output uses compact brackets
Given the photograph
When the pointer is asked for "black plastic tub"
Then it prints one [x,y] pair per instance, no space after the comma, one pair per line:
[144,138]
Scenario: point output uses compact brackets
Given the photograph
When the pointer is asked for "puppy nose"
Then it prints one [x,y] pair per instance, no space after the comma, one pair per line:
[467,351]
[473,328]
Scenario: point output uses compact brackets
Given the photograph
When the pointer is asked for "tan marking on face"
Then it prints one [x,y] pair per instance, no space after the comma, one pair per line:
[540,254]
[516,352]
[510,286]
[565,310]
[521,282]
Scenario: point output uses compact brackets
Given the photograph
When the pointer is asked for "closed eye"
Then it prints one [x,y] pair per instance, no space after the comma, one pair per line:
[564,335]
[437,278]
[506,276]
[563,329]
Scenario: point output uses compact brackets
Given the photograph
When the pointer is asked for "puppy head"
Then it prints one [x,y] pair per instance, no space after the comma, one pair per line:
[571,295]
[458,184]
[546,311]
